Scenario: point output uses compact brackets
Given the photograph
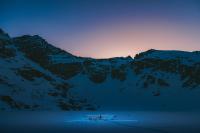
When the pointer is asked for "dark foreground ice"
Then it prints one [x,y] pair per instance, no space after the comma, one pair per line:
[76,122]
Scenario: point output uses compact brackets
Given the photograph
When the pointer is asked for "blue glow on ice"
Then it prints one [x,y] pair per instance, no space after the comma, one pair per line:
[101,118]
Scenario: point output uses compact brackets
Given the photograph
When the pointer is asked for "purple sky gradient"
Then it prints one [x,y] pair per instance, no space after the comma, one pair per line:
[106,28]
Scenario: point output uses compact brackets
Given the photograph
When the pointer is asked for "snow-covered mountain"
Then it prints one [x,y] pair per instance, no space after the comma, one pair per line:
[35,75]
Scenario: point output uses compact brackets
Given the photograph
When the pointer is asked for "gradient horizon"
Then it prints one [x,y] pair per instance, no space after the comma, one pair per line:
[106,28]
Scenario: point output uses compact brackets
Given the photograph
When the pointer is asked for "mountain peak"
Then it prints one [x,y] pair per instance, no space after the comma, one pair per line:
[142,54]
[31,37]
[38,37]
[32,40]
[1,31]
[4,35]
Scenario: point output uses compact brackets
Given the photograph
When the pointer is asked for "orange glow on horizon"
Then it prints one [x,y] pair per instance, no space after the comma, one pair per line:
[130,39]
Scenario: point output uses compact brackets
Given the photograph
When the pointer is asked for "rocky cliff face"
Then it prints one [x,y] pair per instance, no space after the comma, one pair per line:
[35,75]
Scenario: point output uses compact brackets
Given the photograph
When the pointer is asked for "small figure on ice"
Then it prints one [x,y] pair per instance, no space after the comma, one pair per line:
[100,117]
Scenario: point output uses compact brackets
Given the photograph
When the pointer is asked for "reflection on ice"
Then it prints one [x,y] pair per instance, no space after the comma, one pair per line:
[98,122]
[101,118]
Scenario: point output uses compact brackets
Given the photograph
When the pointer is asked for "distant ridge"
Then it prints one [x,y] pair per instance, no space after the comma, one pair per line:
[35,75]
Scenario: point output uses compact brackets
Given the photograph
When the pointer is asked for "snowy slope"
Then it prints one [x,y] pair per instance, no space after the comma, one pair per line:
[25,85]
[35,75]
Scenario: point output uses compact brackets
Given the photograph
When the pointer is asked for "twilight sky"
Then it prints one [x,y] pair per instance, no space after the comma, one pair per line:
[106,28]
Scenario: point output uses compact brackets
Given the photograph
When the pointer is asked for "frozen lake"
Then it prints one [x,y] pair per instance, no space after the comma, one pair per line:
[127,122]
